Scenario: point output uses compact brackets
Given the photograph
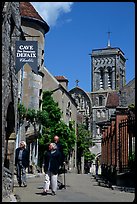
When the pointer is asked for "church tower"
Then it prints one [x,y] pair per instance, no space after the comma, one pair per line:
[107,75]
[108,68]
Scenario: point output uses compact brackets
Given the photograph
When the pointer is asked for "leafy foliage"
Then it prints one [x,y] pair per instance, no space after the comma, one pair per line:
[21,112]
[42,117]
[51,107]
[84,142]
[50,118]
[131,161]
[131,108]
[31,115]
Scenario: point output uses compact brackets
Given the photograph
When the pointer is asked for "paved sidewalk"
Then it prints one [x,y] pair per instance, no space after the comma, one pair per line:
[79,188]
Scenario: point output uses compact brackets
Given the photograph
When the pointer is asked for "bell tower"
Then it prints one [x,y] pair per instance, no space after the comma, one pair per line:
[108,68]
[107,75]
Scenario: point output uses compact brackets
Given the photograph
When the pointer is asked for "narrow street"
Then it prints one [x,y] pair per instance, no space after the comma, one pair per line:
[62,77]
[79,188]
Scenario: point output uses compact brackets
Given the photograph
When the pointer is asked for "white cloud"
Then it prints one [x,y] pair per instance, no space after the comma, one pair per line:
[50,11]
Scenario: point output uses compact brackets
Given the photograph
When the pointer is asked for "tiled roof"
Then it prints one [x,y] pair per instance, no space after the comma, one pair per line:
[27,10]
[61,78]
[29,13]
[112,100]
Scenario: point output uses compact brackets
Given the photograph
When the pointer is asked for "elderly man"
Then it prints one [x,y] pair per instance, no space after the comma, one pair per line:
[60,148]
[21,163]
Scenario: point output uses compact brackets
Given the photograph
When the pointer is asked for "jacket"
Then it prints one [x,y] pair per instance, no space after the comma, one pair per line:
[55,161]
[60,148]
[25,157]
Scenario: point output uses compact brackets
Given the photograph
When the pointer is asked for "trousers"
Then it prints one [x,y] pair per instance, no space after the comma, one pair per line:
[50,181]
[21,173]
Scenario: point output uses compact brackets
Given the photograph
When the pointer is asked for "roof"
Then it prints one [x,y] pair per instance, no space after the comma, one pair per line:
[61,78]
[28,11]
[79,90]
[112,100]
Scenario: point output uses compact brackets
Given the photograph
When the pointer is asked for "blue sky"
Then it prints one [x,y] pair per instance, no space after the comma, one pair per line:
[76,28]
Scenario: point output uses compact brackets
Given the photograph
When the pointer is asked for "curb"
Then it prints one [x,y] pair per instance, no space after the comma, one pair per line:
[103,183]
[15,198]
[122,188]
[10,198]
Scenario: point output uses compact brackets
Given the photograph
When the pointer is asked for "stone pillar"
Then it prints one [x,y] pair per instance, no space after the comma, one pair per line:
[113,79]
[97,81]
[82,164]
[94,81]
[105,79]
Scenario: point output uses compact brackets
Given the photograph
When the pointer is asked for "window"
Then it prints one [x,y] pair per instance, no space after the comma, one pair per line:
[109,78]
[100,101]
[101,78]
[68,104]
[98,113]
[103,113]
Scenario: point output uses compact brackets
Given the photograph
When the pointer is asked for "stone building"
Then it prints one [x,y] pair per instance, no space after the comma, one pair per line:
[108,77]
[83,106]
[83,102]
[127,93]
[11,31]
[30,80]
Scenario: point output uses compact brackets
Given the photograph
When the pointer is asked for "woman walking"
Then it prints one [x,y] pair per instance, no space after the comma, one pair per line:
[52,162]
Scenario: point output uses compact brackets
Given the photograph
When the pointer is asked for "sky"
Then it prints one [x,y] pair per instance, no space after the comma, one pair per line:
[77,28]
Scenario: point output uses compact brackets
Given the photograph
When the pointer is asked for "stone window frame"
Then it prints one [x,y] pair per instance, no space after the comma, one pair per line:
[102,76]
[98,113]
[109,69]
[100,100]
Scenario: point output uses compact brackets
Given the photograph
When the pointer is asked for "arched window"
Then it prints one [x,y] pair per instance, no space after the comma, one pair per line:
[101,78]
[110,78]
[100,100]
[103,113]
[98,113]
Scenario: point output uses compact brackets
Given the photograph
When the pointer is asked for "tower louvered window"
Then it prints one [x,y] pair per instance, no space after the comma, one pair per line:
[101,79]
[109,79]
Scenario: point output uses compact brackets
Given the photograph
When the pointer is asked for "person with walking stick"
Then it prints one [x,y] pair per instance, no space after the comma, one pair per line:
[62,167]
[52,161]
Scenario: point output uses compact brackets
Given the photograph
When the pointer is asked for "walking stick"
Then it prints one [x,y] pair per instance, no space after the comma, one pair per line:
[64,178]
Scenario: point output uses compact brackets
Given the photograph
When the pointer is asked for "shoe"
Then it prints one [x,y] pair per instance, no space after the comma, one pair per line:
[53,193]
[24,184]
[19,184]
[44,193]
[61,186]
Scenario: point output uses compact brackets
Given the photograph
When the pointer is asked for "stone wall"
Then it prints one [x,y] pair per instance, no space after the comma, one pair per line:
[11,32]
[7,181]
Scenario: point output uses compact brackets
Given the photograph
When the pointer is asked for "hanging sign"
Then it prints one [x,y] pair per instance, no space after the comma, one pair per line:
[26,52]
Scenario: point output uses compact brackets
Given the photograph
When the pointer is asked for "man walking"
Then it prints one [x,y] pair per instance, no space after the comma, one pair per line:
[60,148]
[21,163]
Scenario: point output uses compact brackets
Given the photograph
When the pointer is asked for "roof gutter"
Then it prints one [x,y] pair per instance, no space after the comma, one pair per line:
[43,24]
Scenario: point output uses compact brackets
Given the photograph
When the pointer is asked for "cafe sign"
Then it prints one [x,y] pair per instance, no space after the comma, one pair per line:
[26,52]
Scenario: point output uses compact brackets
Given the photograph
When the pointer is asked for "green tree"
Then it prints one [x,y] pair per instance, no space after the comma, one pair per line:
[84,141]
[131,109]
[50,118]
[21,113]
[51,107]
